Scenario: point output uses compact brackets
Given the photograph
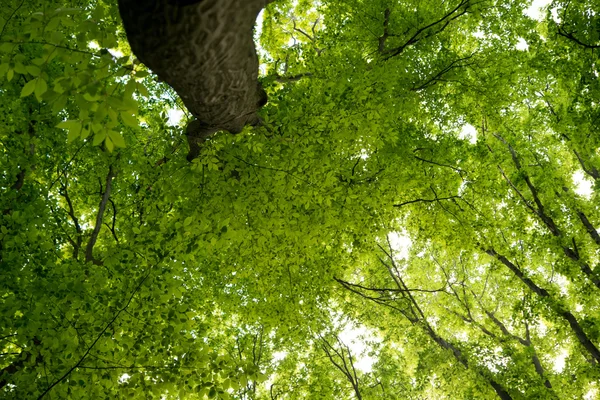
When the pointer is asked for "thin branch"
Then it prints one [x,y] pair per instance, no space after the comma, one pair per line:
[56,46]
[302,32]
[384,290]
[12,14]
[90,246]
[114,220]
[444,22]
[349,372]
[460,171]
[65,167]
[292,78]
[539,210]
[438,77]
[90,347]
[71,212]
[426,200]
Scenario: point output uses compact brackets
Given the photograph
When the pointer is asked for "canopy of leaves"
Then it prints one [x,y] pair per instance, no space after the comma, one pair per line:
[415,217]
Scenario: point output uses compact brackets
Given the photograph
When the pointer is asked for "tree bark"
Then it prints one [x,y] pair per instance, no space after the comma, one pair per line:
[205,51]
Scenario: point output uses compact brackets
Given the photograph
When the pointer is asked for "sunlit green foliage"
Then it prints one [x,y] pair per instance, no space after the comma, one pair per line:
[408,222]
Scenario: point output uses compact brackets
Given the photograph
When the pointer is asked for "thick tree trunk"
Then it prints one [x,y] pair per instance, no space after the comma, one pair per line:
[205,51]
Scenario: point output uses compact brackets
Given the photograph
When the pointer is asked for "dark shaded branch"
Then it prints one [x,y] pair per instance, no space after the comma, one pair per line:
[90,246]
[525,342]
[589,227]
[593,172]
[71,212]
[571,36]
[114,220]
[535,359]
[12,14]
[386,34]
[385,290]
[20,180]
[439,26]
[292,78]
[539,210]
[93,54]
[554,304]
[388,302]
[438,76]
[64,169]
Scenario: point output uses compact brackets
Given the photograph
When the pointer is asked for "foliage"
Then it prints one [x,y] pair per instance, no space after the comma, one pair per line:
[358,222]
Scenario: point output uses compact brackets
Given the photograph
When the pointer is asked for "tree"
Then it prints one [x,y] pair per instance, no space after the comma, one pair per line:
[411,176]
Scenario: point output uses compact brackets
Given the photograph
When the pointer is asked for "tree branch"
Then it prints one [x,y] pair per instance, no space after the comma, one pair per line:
[426,200]
[292,78]
[349,372]
[539,210]
[437,77]
[384,290]
[571,36]
[386,34]
[71,212]
[593,172]
[105,196]
[444,22]
[554,304]
[589,227]
[460,171]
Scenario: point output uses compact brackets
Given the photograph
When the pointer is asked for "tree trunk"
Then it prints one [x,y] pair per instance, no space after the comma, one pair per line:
[205,51]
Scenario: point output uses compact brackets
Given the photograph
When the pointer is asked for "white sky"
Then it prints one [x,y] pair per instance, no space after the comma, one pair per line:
[535,10]
[583,185]
[468,132]
[355,338]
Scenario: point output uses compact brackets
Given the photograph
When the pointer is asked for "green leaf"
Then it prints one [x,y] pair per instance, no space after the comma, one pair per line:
[59,103]
[129,119]
[99,137]
[20,68]
[41,87]
[142,89]
[116,138]
[109,144]
[129,89]
[73,127]
[3,69]
[29,88]
[33,70]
